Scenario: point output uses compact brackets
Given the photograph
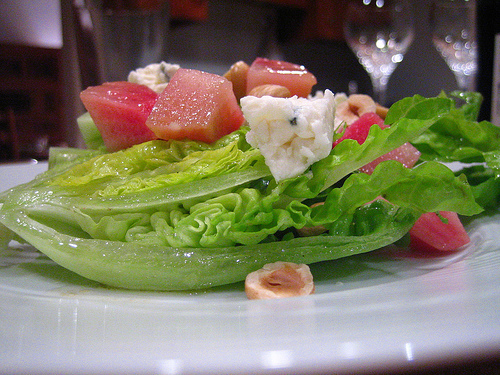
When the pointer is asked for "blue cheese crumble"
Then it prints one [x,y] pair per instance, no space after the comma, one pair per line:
[291,133]
[155,76]
[340,97]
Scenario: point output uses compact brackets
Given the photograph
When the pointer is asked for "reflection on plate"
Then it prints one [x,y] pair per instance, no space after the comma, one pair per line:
[378,311]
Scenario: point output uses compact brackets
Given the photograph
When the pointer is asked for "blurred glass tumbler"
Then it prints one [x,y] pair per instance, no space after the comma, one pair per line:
[128,34]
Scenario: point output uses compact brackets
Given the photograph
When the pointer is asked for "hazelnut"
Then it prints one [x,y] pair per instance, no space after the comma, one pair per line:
[279,280]
[237,74]
[277,91]
[381,110]
[354,107]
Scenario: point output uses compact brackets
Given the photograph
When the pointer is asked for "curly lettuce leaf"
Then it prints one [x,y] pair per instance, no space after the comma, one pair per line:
[159,163]
[408,119]
[458,137]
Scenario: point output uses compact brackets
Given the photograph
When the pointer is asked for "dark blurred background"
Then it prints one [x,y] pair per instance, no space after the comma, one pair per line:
[41,77]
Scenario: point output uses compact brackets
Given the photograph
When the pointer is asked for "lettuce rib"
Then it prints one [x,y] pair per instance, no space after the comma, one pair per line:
[157,267]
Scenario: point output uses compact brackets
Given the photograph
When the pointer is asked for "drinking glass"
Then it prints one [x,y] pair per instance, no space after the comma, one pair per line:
[128,34]
[379,32]
[453,34]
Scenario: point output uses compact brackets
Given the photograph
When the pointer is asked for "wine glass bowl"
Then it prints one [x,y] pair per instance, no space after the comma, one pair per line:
[453,34]
[379,32]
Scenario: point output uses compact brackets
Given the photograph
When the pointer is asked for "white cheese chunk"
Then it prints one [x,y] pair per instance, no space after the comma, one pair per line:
[155,76]
[339,98]
[291,133]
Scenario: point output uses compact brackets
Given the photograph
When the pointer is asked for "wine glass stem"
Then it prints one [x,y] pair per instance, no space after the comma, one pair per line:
[379,89]
[465,82]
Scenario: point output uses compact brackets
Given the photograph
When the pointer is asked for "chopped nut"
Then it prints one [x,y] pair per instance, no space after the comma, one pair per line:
[237,74]
[270,90]
[381,110]
[279,280]
[354,107]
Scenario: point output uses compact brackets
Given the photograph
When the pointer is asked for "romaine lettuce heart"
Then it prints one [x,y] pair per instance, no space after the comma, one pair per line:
[173,215]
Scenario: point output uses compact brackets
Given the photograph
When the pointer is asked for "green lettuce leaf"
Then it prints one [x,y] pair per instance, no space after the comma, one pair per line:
[91,135]
[458,137]
[159,267]
[66,157]
[173,215]
[408,119]
[105,248]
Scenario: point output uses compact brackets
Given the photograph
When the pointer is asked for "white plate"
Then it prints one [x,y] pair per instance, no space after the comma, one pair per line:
[369,313]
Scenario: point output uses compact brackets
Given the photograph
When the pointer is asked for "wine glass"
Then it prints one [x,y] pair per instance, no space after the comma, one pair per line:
[379,32]
[453,34]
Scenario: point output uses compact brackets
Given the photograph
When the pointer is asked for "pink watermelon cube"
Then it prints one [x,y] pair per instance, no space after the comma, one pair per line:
[431,233]
[295,78]
[406,154]
[119,111]
[195,105]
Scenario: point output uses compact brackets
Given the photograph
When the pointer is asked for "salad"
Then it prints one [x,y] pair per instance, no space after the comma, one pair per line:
[188,206]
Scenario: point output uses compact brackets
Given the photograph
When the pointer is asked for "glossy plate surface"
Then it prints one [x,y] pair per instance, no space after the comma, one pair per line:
[377,312]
